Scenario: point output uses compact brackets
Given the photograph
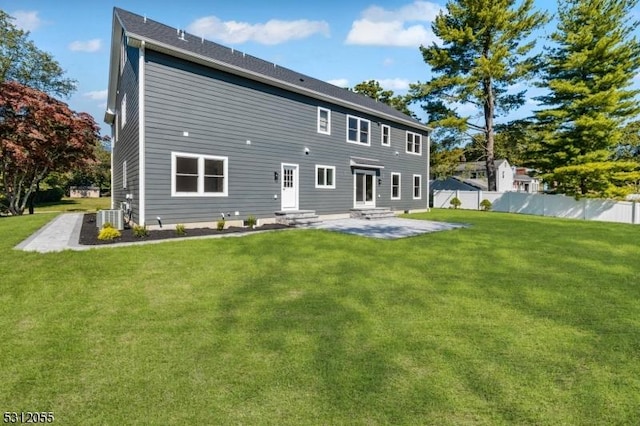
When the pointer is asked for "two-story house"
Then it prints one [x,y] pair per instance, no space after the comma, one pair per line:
[200,130]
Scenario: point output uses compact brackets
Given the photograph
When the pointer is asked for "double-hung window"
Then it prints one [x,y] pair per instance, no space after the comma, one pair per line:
[417,187]
[125,180]
[123,111]
[199,175]
[385,132]
[325,177]
[395,186]
[414,143]
[324,121]
[358,130]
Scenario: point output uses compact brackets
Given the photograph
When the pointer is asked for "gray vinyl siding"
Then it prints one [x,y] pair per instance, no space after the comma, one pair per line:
[126,146]
[221,112]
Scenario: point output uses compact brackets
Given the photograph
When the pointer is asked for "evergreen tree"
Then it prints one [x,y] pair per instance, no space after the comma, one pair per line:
[374,90]
[588,73]
[484,51]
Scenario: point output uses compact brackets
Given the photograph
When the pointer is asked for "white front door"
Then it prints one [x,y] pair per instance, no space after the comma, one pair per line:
[289,187]
[364,188]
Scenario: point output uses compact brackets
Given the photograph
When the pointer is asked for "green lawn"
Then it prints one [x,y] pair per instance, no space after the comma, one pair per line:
[75,205]
[515,320]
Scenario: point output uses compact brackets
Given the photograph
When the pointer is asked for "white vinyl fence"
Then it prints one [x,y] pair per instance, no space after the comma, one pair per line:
[544,205]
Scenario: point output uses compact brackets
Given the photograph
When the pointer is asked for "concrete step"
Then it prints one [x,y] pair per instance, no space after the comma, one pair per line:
[374,213]
[297,218]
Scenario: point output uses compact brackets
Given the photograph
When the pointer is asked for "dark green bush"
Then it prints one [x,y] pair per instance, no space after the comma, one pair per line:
[51,195]
[485,205]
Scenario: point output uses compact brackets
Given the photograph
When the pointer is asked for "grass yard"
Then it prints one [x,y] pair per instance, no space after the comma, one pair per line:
[515,320]
[75,205]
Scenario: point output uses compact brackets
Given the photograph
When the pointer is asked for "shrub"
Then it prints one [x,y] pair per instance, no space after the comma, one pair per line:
[108,233]
[251,221]
[455,202]
[51,195]
[220,225]
[180,229]
[140,231]
[485,205]
[107,225]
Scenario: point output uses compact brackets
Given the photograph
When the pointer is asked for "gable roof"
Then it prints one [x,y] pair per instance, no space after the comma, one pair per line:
[478,165]
[453,183]
[153,35]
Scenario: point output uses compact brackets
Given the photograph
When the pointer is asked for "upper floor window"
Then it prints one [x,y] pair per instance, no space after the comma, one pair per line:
[324,121]
[198,175]
[358,130]
[414,143]
[385,132]
[123,52]
[123,111]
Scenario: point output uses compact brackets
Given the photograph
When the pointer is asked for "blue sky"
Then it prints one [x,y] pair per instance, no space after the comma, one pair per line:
[342,42]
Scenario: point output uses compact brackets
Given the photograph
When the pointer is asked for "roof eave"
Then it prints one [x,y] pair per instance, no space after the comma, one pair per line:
[116,31]
[136,39]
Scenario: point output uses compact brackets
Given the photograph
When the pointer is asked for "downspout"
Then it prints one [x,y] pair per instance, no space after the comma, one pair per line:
[141,137]
[113,140]
[428,170]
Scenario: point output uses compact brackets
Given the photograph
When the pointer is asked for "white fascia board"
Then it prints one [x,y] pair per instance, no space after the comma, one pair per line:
[112,87]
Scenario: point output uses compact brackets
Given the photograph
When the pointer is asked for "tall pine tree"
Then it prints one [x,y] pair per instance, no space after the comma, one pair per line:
[485,51]
[589,72]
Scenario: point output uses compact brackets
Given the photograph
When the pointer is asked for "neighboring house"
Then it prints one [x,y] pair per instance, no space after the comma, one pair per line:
[523,182]
[201,130]
[475,173]
[452,183]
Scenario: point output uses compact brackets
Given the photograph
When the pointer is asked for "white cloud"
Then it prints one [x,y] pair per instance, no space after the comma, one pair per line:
[27,20]
[395,83]
[96,95]
[86,46]
[381,27]
[340,82]
[388,62]
[272,32]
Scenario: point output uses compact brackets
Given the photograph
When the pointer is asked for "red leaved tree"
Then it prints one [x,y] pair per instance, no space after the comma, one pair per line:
[39,135]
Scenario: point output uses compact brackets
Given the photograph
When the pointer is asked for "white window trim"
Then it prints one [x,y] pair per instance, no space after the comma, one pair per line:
[333,168]
[399,197]
[413,187]
[382,127]
[358,132]
[123,111]
[200,192]
[328,111]
[125,182]
[414,143]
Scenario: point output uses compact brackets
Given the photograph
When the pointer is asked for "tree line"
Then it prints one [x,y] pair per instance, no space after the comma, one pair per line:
[42,141]
[583,136]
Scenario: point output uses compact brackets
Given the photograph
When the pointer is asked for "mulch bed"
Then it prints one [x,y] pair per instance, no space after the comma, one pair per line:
[89,232]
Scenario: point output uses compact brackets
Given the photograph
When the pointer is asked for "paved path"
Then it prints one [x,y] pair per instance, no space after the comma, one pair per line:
[63,232]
